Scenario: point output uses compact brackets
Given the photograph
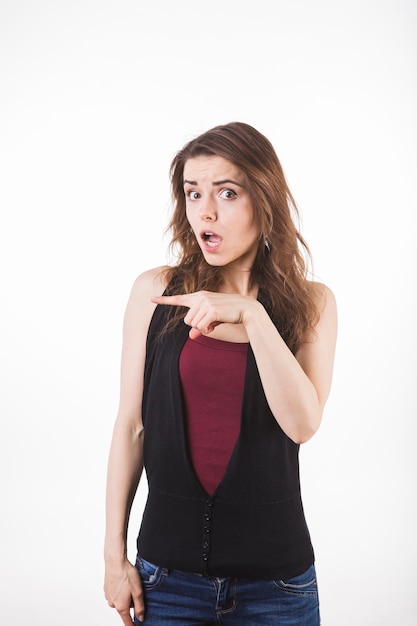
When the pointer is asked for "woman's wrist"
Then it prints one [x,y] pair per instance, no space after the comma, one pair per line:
[252,313]
[115,550]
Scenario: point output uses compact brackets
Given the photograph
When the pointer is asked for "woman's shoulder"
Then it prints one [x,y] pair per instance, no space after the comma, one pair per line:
[151,282]
[321,293]
[147,285]
[325,301]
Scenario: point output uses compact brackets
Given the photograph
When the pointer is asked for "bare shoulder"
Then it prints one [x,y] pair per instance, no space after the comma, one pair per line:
[151,282]
[326,324]
[323,296]
[147,285]
[138,315]
[316,353]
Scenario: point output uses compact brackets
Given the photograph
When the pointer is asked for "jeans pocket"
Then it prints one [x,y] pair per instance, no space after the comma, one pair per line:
[151,575]
[303,584]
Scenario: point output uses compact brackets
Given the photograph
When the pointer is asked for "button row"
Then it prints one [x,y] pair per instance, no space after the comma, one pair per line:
[206,534]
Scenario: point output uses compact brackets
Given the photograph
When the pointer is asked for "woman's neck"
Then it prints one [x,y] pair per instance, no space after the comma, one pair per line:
[239,283]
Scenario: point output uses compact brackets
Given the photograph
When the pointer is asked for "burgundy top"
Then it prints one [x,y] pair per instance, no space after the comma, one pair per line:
[212,376]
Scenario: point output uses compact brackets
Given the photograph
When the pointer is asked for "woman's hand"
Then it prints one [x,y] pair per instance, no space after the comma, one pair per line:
[207,309]
[297,385]
[123,589]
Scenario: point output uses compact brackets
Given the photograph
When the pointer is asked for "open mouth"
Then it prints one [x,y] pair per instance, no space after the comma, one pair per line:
[210,238]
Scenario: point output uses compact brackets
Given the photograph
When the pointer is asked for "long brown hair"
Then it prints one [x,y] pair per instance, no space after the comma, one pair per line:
[280,267]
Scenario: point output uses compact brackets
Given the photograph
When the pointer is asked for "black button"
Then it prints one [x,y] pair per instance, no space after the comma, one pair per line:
[206,545]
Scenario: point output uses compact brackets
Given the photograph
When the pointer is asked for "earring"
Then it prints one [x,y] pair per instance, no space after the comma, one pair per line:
[267,246]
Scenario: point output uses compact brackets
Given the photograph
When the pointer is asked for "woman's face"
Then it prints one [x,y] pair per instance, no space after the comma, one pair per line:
[220,212]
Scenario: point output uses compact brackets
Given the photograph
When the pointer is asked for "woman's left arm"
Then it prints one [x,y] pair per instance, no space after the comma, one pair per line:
[296,387]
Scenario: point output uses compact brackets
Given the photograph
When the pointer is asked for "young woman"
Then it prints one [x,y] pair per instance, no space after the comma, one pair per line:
[226,366]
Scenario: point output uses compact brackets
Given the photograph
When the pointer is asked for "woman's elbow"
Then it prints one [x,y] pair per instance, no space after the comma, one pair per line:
[304,436]
[306,428]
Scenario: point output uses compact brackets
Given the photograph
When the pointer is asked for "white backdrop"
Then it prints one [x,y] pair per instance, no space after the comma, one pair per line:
[96,97]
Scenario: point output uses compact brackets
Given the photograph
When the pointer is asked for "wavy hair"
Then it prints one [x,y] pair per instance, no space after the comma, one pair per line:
[280,268]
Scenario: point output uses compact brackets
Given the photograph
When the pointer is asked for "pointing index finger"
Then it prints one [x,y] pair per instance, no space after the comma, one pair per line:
[179,300]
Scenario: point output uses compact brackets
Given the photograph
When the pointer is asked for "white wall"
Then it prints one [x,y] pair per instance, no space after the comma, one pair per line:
[96,97]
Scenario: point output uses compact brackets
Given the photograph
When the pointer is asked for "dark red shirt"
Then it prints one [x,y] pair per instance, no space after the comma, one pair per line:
[212,376]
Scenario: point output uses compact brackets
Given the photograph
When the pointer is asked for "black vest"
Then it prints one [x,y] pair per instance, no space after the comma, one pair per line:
[253,525]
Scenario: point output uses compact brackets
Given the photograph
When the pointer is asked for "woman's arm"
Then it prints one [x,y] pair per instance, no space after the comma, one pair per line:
[122,583]
[296,387]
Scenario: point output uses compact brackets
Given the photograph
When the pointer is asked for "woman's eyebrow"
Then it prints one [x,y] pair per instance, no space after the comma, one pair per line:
[216,183]
[227,181]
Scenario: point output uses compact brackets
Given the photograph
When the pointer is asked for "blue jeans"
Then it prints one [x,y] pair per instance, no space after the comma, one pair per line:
[185,599]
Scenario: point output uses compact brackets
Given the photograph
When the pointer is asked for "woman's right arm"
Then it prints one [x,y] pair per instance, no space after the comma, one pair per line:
[122,585]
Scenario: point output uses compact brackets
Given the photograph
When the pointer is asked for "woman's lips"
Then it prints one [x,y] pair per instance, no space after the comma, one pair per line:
[210,240]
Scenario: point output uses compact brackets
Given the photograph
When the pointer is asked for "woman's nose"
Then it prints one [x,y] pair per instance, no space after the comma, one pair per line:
[208,210]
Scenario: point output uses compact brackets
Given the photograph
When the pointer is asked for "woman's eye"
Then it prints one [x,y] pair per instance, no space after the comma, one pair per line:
[193,195]
[228,194]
